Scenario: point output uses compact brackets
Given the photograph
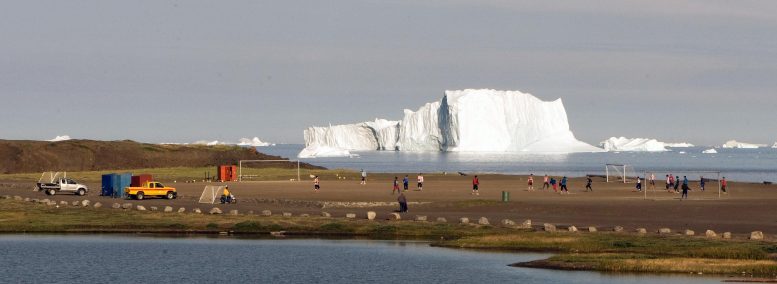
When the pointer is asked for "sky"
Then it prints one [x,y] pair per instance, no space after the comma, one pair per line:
[179,71]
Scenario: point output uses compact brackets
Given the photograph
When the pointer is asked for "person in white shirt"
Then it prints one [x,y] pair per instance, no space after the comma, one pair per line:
[420,181]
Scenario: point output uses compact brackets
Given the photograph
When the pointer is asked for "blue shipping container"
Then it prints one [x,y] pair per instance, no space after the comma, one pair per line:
[122,181]
[108,184]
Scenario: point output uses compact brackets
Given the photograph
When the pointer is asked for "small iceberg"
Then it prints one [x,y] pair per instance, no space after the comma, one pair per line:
[709,151]
[314,151]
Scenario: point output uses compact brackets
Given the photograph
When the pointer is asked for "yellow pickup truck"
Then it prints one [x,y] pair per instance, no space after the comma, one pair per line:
[151,188]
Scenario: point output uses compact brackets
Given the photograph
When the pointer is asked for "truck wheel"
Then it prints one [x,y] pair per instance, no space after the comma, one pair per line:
[81,192]
[52,192]
[170,195]
[139,196]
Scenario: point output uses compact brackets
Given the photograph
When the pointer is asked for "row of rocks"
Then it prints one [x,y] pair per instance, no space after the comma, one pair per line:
[755,235]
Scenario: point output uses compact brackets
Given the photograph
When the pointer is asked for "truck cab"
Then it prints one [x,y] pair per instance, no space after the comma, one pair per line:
[151,188]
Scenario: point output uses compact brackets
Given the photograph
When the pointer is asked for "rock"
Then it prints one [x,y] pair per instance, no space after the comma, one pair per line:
[371,215]
[463,220]
[442,220]
[140,208]
[326,215]
[395,216]
[617,229]
[483,221]
[6,197]
[266,213]
[710,234]
[168,209]
[52,203]
[215,210]
[181,210]
[197,211]
[664,231]
[27,199]
[288,214]
[526,224]
[250,212]
[233,212]
[45,201]
[689,232]
[75,203]
[17,198]
[126,206]
[305,215]
[420,218]
[115,206]
[154,208]
[549,227]
[592,229]
[348,215]
[85,203]
[756,235]
[508,222]
[641,231]
[727,235]
[64,203]
[35,200]
[572,229]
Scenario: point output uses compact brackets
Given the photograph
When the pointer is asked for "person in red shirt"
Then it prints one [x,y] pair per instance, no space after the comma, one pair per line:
[723,185]
[475,185]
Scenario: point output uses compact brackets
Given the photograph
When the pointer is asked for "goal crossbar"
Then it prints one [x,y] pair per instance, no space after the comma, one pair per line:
[240,166]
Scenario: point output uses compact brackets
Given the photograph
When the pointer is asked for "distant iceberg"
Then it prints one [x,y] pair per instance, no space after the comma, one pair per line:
[710,151]
[679,145]
[775,145]
[469,120]
[60,138]
[741,145]
[314,151]
[623,144]
[254,142]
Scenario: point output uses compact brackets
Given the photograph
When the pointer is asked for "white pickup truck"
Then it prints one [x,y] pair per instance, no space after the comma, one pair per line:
[63,185]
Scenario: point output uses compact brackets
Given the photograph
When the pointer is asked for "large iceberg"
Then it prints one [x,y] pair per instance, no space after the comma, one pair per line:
[742,145]
[465,121]
[679,145]
[632,145]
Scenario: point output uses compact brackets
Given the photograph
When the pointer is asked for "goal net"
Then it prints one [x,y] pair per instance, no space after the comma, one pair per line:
[620,173]
[211,193]
[268,170]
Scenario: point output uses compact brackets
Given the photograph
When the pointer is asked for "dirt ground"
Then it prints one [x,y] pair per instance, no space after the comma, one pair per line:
[747,207]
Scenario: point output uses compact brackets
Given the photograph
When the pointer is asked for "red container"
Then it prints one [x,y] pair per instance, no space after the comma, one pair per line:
[227,173]
[140,180]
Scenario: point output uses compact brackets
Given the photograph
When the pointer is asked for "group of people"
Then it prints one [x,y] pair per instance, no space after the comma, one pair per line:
[549,182]
[675,185]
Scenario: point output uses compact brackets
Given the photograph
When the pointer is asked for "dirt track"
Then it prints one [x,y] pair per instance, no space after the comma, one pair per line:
[746,208]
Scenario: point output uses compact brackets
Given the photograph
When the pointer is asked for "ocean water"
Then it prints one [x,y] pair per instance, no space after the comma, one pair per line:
[750,165]
[132,259]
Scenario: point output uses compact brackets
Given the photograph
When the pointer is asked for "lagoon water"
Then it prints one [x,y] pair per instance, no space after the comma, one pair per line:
[133,259]
[750,165]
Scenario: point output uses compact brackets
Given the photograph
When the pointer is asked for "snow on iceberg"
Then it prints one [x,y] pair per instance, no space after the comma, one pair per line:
[466,121]
[742,145]
[254,142]
[314,151]
[709,151]
[632,145]
[60,138]
[679,145]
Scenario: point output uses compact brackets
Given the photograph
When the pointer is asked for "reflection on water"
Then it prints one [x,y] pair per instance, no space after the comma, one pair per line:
[117,259]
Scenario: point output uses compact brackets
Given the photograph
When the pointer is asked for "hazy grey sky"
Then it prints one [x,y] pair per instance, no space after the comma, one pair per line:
[179,71]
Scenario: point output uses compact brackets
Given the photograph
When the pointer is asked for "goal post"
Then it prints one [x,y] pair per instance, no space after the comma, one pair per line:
[241,176]
[693,176]
[624,172]
[211,193]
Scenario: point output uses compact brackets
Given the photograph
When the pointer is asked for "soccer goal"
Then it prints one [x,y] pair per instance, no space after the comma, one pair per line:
[245,172]
[620,172]
[211,193]
[710,179]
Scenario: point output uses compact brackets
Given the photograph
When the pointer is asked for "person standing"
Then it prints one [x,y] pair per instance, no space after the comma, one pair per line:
[702,183]
[554,184]
[639,184]
[475,186]
[531,182]
[652,181]
[364,177]
[588,184]
[396,186]
[546,182]
[564,186]
[668,183]
[724,185]
[402,202]
[406,182]
[685,188]
[420,181]
[316,184]
[677,184]
[671,183]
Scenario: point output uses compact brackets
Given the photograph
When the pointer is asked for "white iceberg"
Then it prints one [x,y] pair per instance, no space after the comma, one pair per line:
[741,145]
[254,142]
[60,138]
[775,145]
[464,121]
[678,145]
[210,143]
[710,151]
[314,151]
[632,145]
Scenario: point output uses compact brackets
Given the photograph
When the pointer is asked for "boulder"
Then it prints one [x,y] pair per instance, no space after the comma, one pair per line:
[75,203]
[266,213]
[442,220]
[140,208]
[27,199]
[85,203]
[154,208]
[303,215]
[689,232]
[641,231]
[592,229]
[35,200]
[45,201]
[394,216]
[572,229]
[549,227]
[664,231]
[64,203]
[526,224]
[233,212]
[348,215]
[215,210]
[287,214]
[17,198]
[371,215]
[6,197]
[52,203]
[483,221]
[710,234]
[115,206]
[508,222]
[727,235]
[617,229]
[756,235]
[325,214]
[126,206]
[168,209]
[181,210]
[250,212]
[420,218]
[197,211]
[463,220]
[97,205]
